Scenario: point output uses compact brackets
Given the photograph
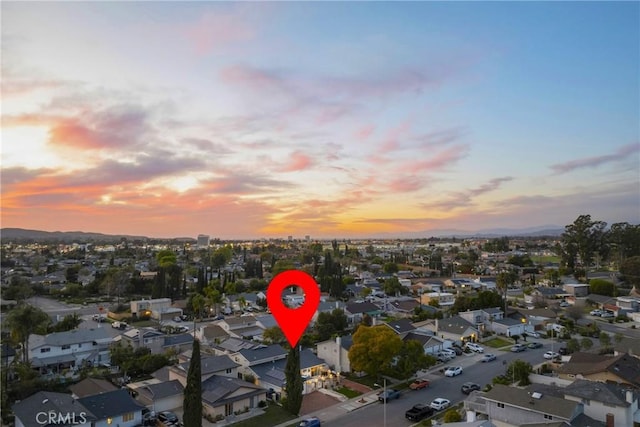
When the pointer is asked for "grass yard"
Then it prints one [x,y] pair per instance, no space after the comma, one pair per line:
[366,380]
[497,343]
[348,392]
[539,259]
[273,415]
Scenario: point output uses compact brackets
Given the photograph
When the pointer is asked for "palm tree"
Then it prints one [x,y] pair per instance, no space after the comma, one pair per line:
[197,303]
[214,297]
[25,320]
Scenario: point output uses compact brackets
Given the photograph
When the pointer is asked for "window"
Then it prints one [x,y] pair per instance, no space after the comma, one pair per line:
[66,347]
[548,417]
[45,350]
[228,409]
[127,417]
[500,405]
[229,370]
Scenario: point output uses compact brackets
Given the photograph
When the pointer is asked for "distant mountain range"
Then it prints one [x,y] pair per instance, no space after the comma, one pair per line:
[81,236]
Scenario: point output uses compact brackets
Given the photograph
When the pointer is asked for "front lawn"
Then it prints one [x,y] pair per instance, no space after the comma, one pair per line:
[497,342]
[348,392]
[366,380]
[273,415]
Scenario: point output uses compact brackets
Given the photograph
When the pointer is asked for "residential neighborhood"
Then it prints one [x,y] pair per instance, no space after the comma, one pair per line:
[112,327]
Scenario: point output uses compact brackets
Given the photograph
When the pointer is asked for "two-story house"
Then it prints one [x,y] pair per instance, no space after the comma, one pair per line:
[623,369]
[355,311]
[158,308]
[605,401]
[336,353]
[241,327]
[71,349]
[210,365]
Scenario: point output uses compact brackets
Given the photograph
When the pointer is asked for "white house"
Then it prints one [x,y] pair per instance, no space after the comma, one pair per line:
[70,349]
[336,353]
[605,401]
[159,308]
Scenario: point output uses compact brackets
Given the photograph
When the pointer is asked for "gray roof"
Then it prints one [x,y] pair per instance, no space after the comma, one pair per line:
[234,344]
[273,372]
[362,307]
[329,306]
[90,386]
[177,339]
[401,326]
[455,325]
[423,339]
[546,291]
[520,398]
[507,321]
[110,404]
[267,320]
[165,389]
[211,364]
[608,393]
[346,341]
[75,336]
[218,390]
[600,299]
[309,359]
[263,353]
[45,401]
[492,310]
[162,374]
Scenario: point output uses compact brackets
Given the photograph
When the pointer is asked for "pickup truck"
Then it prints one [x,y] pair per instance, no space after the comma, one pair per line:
[419,412]
[419,384]
[385,396]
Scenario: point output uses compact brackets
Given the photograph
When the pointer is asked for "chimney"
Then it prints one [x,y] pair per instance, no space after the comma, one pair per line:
[339,345]
[471,416]
[610,422]
[436,326]
[629,396]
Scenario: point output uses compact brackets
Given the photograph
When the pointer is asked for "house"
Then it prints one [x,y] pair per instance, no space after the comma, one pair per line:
[211,334]
[538,318]
[151,338]
[355,311]
[510,406]
[177,343]
[623,369]
[627,345]
[209,365]
[241,327]
[456,329]
[159,395]
[508,327]
[576,289]
[605,401]
[405,306]
[159,308]
[482,319]
[113,408]
[401,327]
[430,343]
[71,349]
[90,386]
[335,353]
[443,299]
[35,410]
[224,396]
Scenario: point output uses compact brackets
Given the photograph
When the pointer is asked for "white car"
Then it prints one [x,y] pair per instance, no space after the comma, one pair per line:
[453,371]
[596,312]
[607,314]
[474,347]
[439,404]
[532,334]
[449,352]
[551,355]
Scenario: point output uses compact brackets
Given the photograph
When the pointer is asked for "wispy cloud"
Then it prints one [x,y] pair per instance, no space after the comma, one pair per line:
[620,154]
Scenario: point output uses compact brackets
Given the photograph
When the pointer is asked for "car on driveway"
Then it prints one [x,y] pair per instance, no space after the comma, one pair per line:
[532,334]
[453,371]
[419,384]
[440,403]
[551,355]
[469,387]
[474,347]
[518,348]
[564,351]
[419,412]
[534,345]
[564,304]
[596,312]
[167,418]
[387,395]
[449,352]
[607,315]
[489,357]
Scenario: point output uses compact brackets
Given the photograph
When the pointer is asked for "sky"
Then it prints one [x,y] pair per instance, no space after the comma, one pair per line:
[329,119]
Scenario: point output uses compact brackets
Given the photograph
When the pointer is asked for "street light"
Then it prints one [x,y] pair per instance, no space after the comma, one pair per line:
[384,399]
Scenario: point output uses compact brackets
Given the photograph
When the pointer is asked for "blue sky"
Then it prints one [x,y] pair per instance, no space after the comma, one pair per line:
[324,118]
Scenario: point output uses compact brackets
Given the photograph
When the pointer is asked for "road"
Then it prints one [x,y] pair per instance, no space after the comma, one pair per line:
[441,386]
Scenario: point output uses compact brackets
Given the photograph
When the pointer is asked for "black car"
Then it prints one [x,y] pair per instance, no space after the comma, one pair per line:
[469,387]
[457,349]
[419,412]
[564,351]
[167,418]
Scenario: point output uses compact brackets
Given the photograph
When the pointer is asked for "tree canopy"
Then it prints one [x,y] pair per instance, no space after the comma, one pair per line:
[374,349]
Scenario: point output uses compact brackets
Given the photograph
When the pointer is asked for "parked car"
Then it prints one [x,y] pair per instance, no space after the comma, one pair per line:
[534,345]
[474,347]
[439,403]
[387,395]
[469,387]
[457,350]
[489,357]
[449,352]
[596,312]
[564,304]
[310,422]
[419,384]
[518,348]
[177,319]
[564,351]
[532,334]
[98,318]
[419,412]
[453,371]
[551,355]
[119,325]
[167,419]
[607,314]
[442,357]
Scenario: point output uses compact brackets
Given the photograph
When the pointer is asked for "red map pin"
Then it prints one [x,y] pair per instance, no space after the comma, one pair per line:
[293,321]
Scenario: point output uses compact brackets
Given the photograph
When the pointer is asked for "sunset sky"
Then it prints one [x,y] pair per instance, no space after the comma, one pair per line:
[269,119]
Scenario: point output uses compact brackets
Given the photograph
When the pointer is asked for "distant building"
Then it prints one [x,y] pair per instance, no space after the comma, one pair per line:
[203,241]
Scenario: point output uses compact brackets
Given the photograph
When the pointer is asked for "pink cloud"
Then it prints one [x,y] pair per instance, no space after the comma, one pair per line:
[298,161]
[365,132]
[215,29]
[621,153]
[439,161]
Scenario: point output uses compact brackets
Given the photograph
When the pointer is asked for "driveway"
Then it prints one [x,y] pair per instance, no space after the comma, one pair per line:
[316,401]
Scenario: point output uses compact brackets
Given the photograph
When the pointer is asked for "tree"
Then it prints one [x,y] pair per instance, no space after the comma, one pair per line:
[605,339]
[192,401]
[574,312]
[25,320]
[374,349]
[214,298]
[602,287]
[68,323]
[328,324]
[618,337]
[392,286]
[273,335]
[197,304]
[390,267]
[630,269]
[503,281]
[581,241]
[586,343]
[515,337]
[573,345]
[518,371]
[294,384]
[412,359]
[452,416]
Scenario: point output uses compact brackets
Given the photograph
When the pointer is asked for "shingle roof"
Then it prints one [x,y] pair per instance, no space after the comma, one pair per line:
[177,339]
[211,364]
[110,404]
[608,393]
[218,390]
[261,353]
[520,398]
[454,325]
[401,326]
[362,307]
[45,401]
[623,366]
[165,389]
[76,336]
[91,386]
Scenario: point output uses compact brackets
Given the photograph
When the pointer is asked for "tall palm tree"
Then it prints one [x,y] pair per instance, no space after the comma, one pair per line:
[25,320]
[197,303]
